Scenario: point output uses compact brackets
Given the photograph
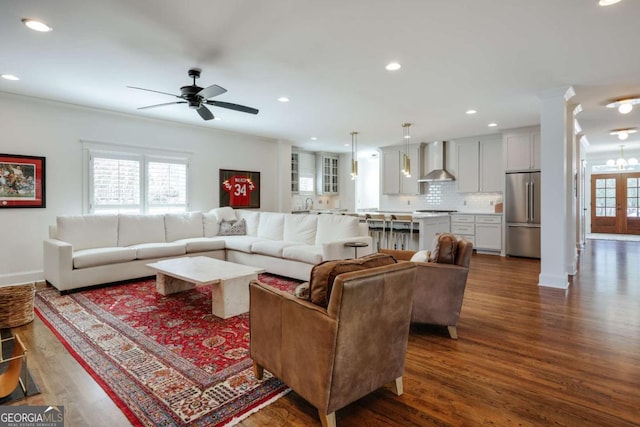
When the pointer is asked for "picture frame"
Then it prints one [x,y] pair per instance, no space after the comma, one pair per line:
[239,189]
[22,181]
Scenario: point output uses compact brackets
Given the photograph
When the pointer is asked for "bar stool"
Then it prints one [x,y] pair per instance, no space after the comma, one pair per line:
[377,229]
[401,231]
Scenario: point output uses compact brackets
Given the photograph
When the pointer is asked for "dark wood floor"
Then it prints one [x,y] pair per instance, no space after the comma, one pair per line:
[526,356]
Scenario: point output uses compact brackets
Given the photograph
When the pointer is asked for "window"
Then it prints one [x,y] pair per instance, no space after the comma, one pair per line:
[136,183]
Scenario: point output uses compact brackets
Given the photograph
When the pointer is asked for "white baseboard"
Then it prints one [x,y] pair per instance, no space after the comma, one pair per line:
[21,278]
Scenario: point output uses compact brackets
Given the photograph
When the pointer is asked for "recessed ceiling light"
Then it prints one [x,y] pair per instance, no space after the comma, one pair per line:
[393,66]
[283,99]
[10,77]
[314,138]
[347,145]
[608,2]
[36,25]
[492,125]
[471,112]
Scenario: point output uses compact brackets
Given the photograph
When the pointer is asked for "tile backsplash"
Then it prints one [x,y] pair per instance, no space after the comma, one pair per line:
[442,195]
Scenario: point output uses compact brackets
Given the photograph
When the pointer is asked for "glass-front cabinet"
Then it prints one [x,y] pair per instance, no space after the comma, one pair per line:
[327,167]
[295,165]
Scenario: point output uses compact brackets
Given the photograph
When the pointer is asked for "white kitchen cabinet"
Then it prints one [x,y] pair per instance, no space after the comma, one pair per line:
[522,149]
[484,231]
[468,167]
[393,180]
[491,168]
[479,165]
[390,170]
[328,173]
[488,232]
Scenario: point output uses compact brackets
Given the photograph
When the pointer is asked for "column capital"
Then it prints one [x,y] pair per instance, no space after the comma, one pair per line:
[566,92]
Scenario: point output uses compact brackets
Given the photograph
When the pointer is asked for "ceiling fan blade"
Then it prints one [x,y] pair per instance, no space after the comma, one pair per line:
[211,91]
[151,90]
[231,106]
[162,105]
[205,113]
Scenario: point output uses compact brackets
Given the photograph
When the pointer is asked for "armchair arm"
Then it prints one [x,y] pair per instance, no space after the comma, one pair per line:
[337,250]
[58,263]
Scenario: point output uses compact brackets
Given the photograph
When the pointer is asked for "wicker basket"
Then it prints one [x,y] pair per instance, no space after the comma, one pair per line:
[16,305]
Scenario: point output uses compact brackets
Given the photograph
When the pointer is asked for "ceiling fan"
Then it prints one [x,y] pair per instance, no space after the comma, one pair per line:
[198,98]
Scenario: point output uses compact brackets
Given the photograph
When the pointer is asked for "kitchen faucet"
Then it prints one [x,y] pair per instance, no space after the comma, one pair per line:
[308,203]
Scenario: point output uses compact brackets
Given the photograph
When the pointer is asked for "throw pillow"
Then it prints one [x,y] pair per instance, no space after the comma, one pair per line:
[445,249]
[420,256]
[324,274]
[225,213]
[233,228]
[302,291]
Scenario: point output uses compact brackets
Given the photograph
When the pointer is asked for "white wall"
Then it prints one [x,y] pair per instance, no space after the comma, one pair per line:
[30,126]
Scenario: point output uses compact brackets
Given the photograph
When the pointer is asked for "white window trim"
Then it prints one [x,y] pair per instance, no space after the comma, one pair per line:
[141,153]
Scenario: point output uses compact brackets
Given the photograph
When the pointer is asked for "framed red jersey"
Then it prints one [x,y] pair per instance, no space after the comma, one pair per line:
[239,189]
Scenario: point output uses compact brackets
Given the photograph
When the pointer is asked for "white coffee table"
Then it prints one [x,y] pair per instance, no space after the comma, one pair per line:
[229,281]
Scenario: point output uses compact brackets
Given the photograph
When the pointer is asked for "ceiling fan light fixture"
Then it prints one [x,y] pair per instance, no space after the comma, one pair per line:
[36,25]
[624,105]
[623,134]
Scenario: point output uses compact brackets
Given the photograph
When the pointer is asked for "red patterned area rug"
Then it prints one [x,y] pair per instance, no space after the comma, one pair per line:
[164,360]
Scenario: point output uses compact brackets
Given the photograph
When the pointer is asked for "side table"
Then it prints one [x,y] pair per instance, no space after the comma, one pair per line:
[355,246]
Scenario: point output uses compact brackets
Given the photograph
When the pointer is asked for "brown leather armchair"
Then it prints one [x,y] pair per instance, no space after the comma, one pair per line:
[334,356]
[439,287]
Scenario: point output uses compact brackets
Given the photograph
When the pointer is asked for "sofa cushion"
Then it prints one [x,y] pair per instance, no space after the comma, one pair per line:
[88,231]
[201,244]
[102,256]
[210,224]
[159,250]
[324,274]
[271,225]
[300,228]
[310,254]
[137,229]
[233,228]
[183,225]
[272,247]
[336,227]
[252,219]
[445,248]
[224,213]
[241,243]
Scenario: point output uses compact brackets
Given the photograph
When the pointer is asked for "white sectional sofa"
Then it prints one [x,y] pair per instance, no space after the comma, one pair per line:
[94,249]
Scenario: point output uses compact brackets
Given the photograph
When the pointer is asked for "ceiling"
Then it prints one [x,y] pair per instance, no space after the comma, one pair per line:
[329,57]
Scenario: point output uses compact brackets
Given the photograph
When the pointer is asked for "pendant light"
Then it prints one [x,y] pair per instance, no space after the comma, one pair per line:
[406,160]
[354,155]
[621,162]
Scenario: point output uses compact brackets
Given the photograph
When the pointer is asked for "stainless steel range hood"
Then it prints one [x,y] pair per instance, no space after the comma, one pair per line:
[438,173]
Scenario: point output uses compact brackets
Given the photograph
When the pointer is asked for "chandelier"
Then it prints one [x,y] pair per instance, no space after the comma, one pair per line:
[621,162]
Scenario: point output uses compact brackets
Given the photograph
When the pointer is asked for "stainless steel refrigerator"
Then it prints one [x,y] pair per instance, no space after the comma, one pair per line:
[522,214]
